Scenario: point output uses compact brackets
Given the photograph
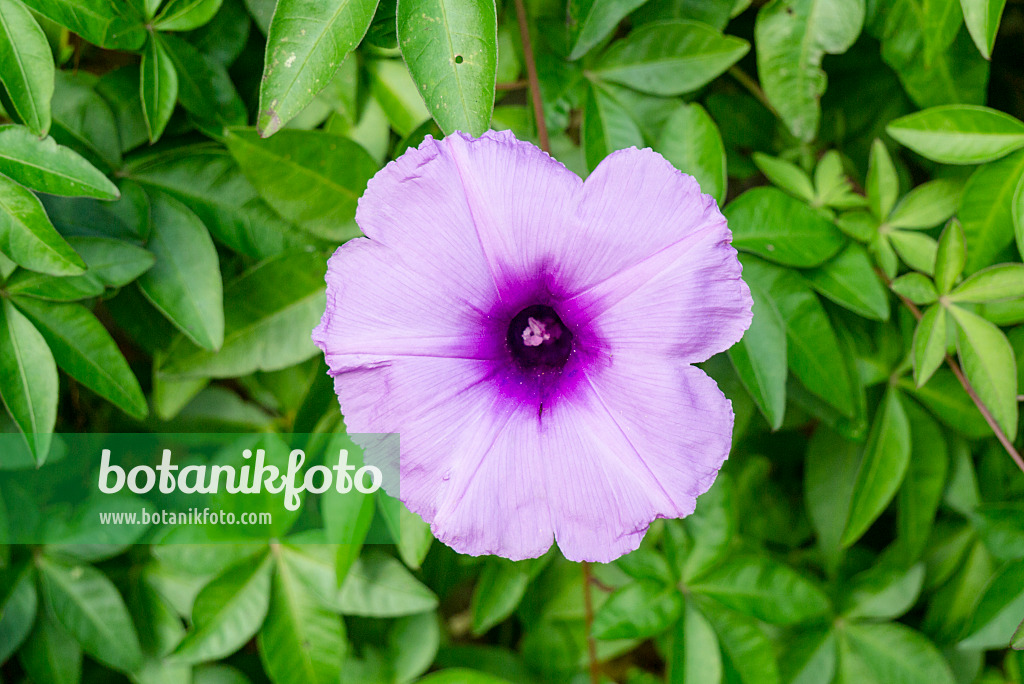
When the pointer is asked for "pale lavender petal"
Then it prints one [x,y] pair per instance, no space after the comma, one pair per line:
[680,294]
[484,212]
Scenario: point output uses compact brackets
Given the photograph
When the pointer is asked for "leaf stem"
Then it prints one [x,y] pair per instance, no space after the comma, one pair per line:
[750,84]
[588,614]
[531,75]
[958,372]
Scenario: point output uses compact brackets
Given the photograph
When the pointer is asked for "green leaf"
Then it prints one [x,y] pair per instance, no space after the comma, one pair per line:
[959,134]
[832,186]
[786,175]
[765,589]
[607,126]
[379,585]
[302,641]
[747,653]
[760,358]
[110,263]
[982,19]
[927,205]
[1017,213]
[88,606]
[85,350]
[885,462]
[849,280]
[830,474]
[695,656]
[989,365]
[26,66]
[208,181]
[458,675]
[110,24]
[691,141]
[184,283]
[498,591]
[917,250]
[921,493]
[51,655]
[916,287]
[451,49]
[883,592]
[228,611]
[883,184]
[28,379]
[1017,641]
[791,38]
[929,346]
[813,351]
[590,21]
[159,87]
[393,88]
[773,225]
[947,400]
[18,606]
[999,610]
[712,527]
[204,88]
[84,121]
[986,209]
[186,15]
[278,301]
[670,58]
[895,653]
[950,257]
[45,166]
[993,284]
[311,178]
[638,610]
[306,44]
[28,238]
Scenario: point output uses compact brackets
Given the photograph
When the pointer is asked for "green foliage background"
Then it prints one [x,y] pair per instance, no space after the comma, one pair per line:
[175,173]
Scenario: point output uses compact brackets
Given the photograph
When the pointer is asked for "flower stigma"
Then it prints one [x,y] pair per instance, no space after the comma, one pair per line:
[538,339]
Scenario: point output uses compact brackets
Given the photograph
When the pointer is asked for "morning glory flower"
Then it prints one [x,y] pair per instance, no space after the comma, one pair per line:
[531,337]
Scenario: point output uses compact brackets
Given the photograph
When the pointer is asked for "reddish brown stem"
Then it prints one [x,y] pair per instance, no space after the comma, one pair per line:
[588,617]
[958,372]
[531,77]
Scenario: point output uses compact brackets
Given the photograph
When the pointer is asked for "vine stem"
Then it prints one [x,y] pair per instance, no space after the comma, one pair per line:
[531,77]
[965,383]
[588,617]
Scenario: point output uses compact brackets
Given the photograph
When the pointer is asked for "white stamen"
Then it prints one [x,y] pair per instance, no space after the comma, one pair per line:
[536,334]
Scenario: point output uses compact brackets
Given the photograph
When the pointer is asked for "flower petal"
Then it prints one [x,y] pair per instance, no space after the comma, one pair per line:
[379,307]
[680,294]
[485,212]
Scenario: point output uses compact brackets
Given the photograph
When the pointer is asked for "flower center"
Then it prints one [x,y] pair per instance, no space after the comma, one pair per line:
[538,338]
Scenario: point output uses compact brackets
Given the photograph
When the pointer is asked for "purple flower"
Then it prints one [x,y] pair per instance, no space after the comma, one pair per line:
[531,337]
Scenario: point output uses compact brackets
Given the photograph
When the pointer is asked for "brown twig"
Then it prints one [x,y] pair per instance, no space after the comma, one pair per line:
[512,85]
[958,372]
[531,75]
[588,617]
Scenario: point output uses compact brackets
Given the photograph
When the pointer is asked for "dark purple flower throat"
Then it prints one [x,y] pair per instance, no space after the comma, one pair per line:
[538,340]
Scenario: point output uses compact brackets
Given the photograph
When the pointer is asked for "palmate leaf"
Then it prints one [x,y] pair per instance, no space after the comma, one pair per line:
[986,210]
[760,358]
[451,48]
[590,21]
[695,656]
[228,611]
[989,365]
[607,126]
[28,238]
[691,141]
